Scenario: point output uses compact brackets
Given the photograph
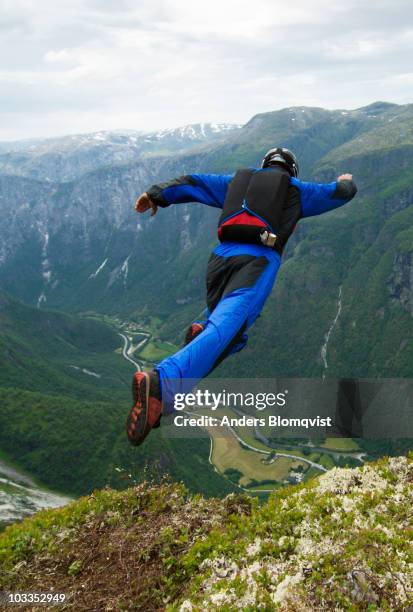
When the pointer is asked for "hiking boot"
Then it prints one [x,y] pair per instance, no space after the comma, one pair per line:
[146,411]
[193,331]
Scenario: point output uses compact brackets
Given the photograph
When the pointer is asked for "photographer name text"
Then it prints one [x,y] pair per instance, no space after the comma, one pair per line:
[247,421]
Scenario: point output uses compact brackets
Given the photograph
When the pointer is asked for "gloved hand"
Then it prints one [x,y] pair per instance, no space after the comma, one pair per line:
[144,203]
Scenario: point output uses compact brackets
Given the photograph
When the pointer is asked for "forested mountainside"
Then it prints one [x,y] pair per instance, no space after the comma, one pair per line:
[64,396]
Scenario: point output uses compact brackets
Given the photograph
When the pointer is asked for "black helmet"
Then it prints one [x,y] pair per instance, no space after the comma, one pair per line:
[281,156]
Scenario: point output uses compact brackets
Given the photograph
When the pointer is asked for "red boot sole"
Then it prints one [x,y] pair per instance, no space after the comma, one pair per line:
[137,426]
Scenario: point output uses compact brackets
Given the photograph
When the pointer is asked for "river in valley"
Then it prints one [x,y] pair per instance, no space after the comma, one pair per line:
[20,496]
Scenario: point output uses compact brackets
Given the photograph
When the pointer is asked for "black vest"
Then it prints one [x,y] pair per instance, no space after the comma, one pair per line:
[263,194]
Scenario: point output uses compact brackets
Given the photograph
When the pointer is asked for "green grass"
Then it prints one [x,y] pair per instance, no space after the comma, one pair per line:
[156,350]
[327,461]
[341,444]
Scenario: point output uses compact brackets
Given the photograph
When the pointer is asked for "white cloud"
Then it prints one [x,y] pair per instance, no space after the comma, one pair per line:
[99,64]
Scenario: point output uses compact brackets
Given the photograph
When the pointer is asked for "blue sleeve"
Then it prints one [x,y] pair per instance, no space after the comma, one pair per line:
[319,198]
[209,189]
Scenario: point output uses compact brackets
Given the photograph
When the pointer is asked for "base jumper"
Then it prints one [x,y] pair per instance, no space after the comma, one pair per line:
[260,209]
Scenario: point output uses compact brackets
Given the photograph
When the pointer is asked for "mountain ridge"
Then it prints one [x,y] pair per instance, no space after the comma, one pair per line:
[68,157]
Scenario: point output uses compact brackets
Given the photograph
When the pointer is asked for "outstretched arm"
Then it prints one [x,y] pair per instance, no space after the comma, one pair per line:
[318,198]
[209,189]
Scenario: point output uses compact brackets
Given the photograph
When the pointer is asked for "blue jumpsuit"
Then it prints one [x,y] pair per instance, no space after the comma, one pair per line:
[236,311]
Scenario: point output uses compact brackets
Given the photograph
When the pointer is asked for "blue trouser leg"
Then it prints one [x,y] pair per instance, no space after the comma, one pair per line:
[236,311]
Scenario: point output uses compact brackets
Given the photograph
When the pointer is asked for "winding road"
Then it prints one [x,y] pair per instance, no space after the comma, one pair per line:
[276,454]
[125,352]
[318,466]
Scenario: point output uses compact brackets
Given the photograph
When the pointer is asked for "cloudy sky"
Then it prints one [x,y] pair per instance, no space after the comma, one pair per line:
[84,65]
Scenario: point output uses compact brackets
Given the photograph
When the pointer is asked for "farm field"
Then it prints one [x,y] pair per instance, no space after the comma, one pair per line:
[240,456]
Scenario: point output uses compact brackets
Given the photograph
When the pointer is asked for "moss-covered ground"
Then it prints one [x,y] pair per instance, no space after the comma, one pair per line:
[340,542]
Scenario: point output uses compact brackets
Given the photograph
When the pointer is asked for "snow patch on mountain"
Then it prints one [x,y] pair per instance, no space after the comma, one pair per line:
[120,272]
[195,131]
[118,138]
[99,269]
[125,270]
[85,371]
[324,348]
[41,299]
[45,266]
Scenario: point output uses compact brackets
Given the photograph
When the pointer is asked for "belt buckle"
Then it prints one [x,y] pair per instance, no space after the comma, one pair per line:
[268,239]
